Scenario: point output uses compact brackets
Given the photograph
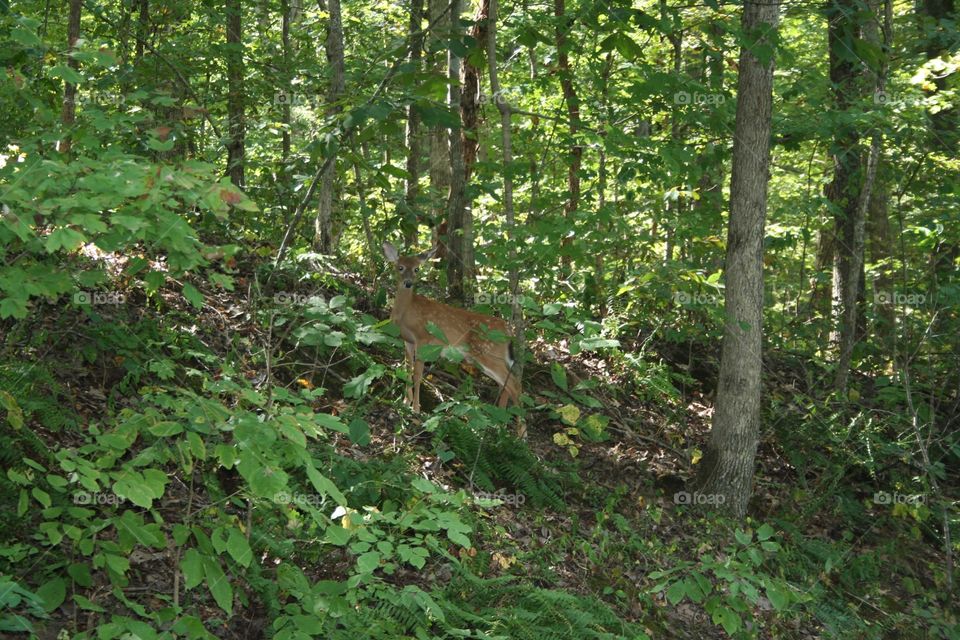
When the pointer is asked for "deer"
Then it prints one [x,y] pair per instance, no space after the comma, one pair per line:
[473,332]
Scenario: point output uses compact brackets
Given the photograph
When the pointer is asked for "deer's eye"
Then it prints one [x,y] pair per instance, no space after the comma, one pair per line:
[416,269]
[399,267]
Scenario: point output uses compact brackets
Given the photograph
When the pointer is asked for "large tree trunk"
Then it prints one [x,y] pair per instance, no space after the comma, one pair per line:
[439,138]
[844,191]
[460,263]
[143,27]
[564,24]
[235,111]
[285,107]
[727,467]
[943,124]
[673,213]
[412,187]
[324,236]
[68,115]
[519,344]
[852,200]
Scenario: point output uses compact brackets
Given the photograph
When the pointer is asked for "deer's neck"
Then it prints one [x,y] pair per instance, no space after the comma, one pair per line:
[402,301]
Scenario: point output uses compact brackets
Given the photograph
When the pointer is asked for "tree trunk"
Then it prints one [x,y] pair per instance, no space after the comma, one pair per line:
[68,114]
[235,111]
[674,207]
[324,236]
[564,24]
[943,124]
[412,188]
[143,27]
[851,220]
[439,137]
[519,344]
[462,96]
[285,107]
[843,191]
[727,467]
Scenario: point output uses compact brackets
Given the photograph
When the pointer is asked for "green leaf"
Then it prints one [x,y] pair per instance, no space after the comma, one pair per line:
[219,585]
[559,375]
[67,73]
[64,238]
[360,432]
[337,535]
[53,593]
[26,37]
[324,485]
[41,496]
[358,385]
[333,423]
[777,595]
[192,567]
[764,532]
[368,562]
[14,413]
[676,592]
[166,428]
[193,295]
[239,548]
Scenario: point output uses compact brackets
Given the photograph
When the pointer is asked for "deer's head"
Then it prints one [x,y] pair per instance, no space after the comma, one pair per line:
[407,266]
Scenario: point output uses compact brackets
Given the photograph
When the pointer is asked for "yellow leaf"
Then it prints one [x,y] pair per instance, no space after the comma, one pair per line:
[504,562]
[561,439]
[569,414]
[574,452]
[696,456]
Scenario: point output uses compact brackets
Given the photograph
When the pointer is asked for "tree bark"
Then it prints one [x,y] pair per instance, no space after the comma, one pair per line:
[324,236]
[728,464]
[564,24]
[519,344]
[412,187]
[843,192]
[853,203]
[68,114]
[439,137]
[464,94]
[143,26]
[235,107]
[943,124]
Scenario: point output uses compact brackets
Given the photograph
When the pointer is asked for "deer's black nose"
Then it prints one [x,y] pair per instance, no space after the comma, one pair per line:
[408,284]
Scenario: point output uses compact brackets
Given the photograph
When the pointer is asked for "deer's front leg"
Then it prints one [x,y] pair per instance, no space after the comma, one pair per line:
[411,357]
[417,377]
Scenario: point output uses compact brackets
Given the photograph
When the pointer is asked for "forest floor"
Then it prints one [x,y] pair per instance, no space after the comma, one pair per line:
[619,524]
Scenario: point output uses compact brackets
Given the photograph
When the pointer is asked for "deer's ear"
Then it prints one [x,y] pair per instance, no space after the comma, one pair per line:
[390,252]
[426,255]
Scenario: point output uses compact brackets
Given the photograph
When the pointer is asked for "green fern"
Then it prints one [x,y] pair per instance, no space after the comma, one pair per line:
[492,458]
